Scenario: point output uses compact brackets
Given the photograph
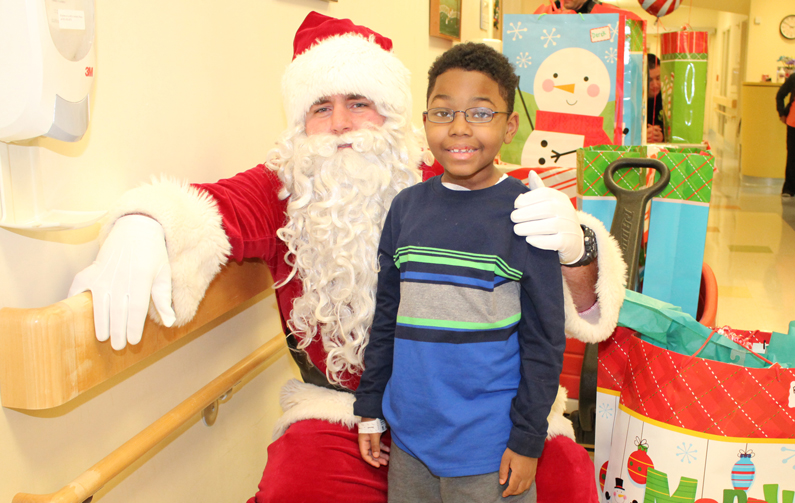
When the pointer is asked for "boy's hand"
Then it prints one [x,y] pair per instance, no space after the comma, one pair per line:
[522,470]
[548,221]
[372,449]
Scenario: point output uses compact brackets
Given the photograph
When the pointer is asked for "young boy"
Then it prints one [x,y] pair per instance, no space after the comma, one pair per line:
[467,341]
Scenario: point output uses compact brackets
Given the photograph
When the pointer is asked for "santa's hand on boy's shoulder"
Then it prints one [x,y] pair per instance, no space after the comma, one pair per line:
[546,218]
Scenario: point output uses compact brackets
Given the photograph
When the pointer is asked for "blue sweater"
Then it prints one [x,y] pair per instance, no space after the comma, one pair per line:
[467,341]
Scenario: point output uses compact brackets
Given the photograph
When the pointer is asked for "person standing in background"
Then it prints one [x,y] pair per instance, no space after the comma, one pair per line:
[654,131]
[787,116]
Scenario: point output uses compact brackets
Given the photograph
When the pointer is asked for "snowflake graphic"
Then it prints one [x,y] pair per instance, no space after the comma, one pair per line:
[784,449]
[605,411]
[516,30]
[523,60]
[613,32]
[611,55]
[549,37]
[687,452]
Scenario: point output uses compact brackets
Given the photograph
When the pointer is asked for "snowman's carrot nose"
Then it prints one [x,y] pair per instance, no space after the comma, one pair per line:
[569,88]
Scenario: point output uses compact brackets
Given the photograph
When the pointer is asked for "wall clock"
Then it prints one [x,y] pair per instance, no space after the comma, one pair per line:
[787,27]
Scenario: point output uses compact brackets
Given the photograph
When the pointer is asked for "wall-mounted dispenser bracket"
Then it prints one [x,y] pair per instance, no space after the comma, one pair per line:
[22,196]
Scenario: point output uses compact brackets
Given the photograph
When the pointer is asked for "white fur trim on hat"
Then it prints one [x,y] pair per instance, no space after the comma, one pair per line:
[346,64]
[610,288]
[196,242]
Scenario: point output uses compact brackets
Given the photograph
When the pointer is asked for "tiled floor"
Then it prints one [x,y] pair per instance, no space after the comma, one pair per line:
[751,248]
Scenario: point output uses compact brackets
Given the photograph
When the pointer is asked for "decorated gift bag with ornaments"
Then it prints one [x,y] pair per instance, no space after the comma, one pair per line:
[699,415]
[571,85]
[683,73]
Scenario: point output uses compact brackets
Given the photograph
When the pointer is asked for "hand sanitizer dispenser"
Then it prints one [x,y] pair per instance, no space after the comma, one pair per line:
[47,69]
[47,57]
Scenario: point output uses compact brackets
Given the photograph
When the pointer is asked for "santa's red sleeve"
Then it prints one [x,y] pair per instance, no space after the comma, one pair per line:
[205,225]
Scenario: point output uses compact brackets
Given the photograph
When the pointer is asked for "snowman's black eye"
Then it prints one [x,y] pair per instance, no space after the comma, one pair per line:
[585,79]
[555,75]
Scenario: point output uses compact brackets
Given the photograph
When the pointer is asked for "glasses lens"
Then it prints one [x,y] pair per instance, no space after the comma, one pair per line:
[480,114]
[440,115]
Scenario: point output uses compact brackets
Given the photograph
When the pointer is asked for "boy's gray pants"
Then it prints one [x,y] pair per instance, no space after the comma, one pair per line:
[410,481]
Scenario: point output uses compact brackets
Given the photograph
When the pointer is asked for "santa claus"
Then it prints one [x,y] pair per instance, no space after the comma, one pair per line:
[314,212]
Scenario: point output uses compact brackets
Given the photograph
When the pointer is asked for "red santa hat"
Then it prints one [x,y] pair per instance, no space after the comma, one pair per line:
[334,56]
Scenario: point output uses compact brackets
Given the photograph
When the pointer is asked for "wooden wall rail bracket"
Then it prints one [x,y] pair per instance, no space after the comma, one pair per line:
[84,487]
[50,355]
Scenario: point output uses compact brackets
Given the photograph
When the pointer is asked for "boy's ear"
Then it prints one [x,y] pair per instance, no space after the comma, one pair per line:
[512,127]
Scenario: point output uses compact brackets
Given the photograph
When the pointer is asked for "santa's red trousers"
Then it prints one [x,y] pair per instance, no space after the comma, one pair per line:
[316,461]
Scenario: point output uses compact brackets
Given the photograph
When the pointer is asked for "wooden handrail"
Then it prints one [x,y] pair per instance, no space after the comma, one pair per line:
[87,484]
[50,355]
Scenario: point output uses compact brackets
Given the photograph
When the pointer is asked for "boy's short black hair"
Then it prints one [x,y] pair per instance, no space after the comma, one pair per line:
[481,58]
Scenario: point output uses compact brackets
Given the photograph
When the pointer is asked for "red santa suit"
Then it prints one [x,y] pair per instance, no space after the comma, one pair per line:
[315,455]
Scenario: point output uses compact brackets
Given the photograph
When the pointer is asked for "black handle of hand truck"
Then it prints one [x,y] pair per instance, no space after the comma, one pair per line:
[627,225]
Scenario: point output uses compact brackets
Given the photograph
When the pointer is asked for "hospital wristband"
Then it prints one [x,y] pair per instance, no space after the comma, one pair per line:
[373,426]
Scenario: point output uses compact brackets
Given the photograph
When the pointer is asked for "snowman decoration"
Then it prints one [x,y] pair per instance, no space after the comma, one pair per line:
[618,495]
[571,89]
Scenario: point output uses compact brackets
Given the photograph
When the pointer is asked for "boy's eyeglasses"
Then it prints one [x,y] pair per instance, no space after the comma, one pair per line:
[477,115]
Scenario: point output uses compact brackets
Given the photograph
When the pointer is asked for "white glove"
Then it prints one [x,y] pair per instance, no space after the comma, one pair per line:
[548,220]
[132,262]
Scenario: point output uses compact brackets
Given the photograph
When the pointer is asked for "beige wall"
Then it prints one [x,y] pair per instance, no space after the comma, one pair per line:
[765,43]
[192,90]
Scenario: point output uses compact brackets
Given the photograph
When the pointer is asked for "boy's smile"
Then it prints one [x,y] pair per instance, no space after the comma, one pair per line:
[466,150]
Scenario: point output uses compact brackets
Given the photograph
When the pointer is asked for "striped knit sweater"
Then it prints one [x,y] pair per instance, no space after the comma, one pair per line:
[467,341]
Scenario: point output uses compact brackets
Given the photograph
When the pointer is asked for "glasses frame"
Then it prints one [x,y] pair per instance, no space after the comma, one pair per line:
[466,115]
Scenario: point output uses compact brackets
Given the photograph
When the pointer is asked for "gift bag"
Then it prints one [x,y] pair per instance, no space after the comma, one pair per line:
[677,227]
[562,179]
[571,85]
[634,96]
[700,417]
[683,72]
[593,196]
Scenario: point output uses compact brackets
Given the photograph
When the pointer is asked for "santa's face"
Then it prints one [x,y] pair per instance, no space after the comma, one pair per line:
[339,114]
[572,81]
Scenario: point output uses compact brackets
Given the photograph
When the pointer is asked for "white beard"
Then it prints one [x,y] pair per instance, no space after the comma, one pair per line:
[339,198]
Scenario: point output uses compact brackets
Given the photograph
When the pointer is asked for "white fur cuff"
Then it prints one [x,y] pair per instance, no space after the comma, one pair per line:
[196,242]
[610,288]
